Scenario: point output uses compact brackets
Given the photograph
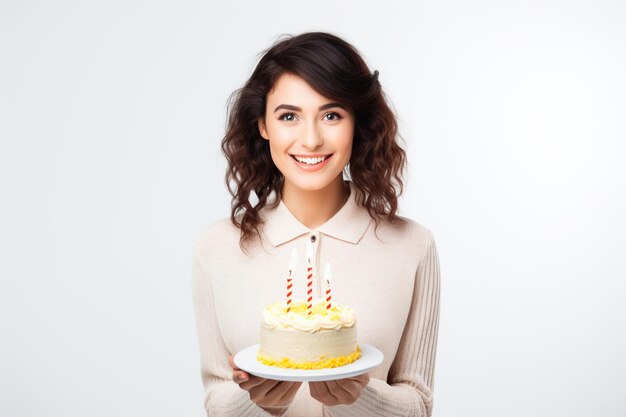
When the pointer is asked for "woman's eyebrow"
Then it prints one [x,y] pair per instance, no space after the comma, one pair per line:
[296,108]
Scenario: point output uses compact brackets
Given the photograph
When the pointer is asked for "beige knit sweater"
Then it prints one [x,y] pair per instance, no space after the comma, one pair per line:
[391,279]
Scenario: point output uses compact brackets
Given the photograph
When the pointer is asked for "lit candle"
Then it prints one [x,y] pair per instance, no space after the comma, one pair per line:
[327,276]
[292,268]
[309,278]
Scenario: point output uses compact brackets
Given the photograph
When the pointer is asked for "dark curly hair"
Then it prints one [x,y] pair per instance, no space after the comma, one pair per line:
[336,70]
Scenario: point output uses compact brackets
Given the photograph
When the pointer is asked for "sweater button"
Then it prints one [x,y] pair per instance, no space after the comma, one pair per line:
[313,238]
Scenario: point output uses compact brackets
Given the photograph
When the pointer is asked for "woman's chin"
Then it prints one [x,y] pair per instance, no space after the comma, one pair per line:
[309,184]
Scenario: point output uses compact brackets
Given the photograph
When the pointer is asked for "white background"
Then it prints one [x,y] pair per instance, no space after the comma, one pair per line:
[111,114]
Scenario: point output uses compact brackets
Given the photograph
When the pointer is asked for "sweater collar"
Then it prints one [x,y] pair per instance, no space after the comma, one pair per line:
[348,224]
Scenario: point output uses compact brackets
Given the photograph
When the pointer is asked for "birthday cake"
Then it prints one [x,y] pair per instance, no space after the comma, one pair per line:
[305,335]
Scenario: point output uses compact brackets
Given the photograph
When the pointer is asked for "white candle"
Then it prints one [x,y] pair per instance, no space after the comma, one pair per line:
[293,263]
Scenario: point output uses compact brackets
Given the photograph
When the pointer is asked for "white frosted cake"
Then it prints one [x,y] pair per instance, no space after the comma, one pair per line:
[326,338]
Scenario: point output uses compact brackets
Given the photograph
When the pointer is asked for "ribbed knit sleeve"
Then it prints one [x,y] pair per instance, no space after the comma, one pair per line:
[223,397]
[409,389]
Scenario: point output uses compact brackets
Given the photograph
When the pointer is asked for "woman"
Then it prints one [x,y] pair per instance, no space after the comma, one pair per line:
[311,114]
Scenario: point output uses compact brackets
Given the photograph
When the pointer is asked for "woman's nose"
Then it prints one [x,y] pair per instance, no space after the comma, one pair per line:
[311,137]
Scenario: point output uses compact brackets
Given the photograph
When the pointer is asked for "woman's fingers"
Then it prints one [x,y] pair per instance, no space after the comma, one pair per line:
[363,379]
[258,393]
[340,391]
[282,390]
[314,391]
[345,389]
[321,392]
[292,391]
[239,376]
[264,392]
[255,381]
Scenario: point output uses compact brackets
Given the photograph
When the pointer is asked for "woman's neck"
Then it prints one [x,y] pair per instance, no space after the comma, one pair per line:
[314,208]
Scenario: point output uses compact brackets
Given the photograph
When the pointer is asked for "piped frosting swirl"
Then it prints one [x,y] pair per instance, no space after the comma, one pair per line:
[275,316]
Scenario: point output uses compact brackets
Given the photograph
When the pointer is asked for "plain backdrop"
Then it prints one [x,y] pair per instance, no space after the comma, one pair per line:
[111,115]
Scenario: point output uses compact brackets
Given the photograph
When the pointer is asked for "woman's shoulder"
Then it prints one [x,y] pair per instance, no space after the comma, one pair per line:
[215,234]
[415,234]
[409,228]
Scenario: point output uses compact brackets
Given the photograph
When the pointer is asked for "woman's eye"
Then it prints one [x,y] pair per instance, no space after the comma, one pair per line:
[290,117]
[335,115]
[287,117]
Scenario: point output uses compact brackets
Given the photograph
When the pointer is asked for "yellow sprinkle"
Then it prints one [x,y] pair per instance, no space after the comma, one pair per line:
[320,364]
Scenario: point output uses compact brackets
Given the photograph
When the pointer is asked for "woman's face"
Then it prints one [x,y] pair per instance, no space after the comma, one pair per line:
[301,123]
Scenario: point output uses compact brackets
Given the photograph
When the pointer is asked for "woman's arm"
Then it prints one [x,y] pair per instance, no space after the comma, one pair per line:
[223,397]
[410,388]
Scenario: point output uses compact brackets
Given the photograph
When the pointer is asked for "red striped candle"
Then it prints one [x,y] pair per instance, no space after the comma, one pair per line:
[327,276]
[289,293]
[292,269]
[309,278]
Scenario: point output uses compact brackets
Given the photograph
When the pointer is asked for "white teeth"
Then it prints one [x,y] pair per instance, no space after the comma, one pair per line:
[311,161]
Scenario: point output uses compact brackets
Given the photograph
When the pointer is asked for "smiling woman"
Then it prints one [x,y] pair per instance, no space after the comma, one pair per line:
[311,112]
[316,137]
[312,96]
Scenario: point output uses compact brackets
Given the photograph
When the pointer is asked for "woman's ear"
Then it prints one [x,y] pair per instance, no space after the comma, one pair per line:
[262,129]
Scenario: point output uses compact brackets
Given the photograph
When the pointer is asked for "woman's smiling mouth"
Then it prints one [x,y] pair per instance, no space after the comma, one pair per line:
[311,159]
[309,163]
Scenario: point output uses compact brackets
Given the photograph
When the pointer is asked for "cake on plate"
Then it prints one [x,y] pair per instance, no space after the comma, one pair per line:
[294,337]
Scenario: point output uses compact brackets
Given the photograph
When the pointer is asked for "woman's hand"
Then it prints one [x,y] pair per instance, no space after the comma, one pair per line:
[265,392]
[340,391]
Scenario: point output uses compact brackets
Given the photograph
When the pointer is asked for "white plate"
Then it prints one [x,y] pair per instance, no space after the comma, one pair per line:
[370,359]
